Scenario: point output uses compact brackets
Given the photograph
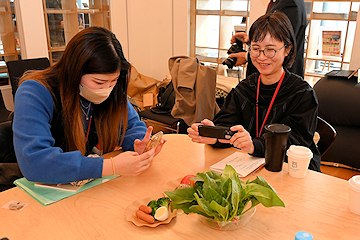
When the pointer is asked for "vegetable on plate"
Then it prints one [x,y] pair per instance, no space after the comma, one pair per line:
[160,208]
[187,180]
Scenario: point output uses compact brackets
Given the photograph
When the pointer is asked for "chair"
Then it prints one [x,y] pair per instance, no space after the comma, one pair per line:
[327,135]
[5,113]
[17,68]
[9,169]
[339,105]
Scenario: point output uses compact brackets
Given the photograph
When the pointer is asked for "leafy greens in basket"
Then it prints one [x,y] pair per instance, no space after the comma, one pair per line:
[223,196]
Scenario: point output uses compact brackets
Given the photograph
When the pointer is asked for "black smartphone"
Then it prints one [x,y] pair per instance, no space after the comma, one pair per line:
[154,141]
[219,132]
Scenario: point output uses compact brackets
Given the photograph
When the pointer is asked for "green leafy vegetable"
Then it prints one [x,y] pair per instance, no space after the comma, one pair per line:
[223,196]
[155,204]
[164,201]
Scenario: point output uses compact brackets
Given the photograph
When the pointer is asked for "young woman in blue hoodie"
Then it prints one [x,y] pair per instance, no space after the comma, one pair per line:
[63,112]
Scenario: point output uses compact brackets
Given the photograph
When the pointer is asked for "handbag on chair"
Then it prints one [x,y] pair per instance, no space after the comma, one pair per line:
[166,100]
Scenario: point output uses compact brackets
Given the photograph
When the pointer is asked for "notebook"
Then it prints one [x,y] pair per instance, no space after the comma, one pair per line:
[243,163]
[46,195]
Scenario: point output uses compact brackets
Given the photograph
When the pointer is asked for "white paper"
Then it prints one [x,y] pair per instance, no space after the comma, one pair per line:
[64,187]
[243,163]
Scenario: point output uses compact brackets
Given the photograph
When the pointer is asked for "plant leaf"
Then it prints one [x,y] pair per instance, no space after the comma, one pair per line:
[203,206]
[225,187]
[210,183]
[199,210]
[184,206]
[181,195]
[264,195]
[212,174]
[235,196]
[261,181]
[212,195]
[228,172]
[223,211]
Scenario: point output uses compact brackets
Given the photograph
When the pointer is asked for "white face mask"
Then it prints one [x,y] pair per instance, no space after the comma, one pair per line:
[96,96]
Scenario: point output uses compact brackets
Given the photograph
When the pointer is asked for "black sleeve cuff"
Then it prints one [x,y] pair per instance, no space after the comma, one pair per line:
[259,147]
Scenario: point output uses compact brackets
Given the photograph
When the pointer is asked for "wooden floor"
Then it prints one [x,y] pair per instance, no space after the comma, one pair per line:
[339,172]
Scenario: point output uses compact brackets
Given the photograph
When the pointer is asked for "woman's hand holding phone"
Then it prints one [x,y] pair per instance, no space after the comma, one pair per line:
[236,135]
[154,141]
[140,145]
[131,163]
[193,132]
[241,139]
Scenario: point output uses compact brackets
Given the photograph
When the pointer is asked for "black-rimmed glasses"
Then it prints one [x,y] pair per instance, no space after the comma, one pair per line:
[268,52]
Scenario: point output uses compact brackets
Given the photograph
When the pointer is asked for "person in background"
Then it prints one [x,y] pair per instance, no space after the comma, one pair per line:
[295,10]
[63,112]
[273,95]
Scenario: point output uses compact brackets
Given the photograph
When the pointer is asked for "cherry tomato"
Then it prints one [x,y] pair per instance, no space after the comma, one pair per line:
[186,180]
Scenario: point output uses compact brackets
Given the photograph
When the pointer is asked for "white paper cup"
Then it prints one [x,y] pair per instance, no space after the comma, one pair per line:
[354,194]
[298,160]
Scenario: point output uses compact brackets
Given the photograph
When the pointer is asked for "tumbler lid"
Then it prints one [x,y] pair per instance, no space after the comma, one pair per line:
[302,235]
[277,128]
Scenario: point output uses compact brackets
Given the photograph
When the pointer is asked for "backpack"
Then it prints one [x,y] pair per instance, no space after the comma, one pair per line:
[166,100]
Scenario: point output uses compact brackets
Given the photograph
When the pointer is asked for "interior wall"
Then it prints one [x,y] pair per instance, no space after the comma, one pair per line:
[355,56]
[151,32]
[181,27]
[257,9]
[30,23]
[150,36]
[118,23]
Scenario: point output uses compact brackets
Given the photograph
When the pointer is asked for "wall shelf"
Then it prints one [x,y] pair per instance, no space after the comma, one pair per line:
[9,49]
[63,20]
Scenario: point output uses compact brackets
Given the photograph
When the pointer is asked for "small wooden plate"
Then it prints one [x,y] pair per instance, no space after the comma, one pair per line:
[130,213]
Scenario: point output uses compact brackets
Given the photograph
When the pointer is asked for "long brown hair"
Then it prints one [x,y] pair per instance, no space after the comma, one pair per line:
[93,50]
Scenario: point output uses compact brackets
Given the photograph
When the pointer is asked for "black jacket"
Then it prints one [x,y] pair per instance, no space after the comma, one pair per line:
[295,105]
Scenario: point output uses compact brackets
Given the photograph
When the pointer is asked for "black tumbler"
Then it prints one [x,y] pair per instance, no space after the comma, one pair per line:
[276,137]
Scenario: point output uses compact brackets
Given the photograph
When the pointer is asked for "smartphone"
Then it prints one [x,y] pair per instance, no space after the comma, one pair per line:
[154,141]
[219,132]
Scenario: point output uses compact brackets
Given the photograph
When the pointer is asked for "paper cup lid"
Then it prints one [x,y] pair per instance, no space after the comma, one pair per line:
[299,152]
[355,182]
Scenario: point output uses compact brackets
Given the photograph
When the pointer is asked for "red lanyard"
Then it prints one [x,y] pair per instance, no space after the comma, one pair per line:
[258,133]
[88,130]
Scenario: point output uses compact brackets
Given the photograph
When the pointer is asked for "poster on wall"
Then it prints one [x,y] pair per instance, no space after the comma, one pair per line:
[331,43]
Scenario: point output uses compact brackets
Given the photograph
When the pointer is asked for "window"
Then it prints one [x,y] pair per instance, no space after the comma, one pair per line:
[212,24]
[330,36]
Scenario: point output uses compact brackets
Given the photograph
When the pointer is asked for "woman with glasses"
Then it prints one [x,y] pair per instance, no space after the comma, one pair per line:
[274,95]
[295,10]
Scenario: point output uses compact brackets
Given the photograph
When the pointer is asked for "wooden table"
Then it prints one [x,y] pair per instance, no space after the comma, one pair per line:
[317,203]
